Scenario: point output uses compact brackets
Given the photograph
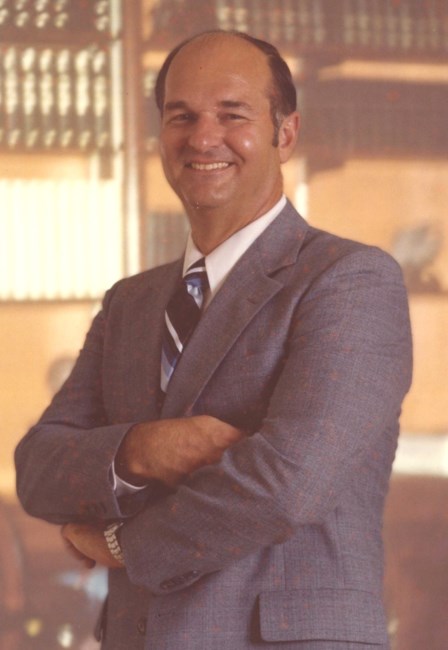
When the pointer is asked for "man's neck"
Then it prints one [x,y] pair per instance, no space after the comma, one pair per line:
[210,228]
[207,239]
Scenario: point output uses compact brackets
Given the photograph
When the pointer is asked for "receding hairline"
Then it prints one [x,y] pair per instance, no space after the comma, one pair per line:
[213,36]
[200,46]
[264,47]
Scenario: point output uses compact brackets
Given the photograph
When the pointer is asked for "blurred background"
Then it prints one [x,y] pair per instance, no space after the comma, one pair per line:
[83,202]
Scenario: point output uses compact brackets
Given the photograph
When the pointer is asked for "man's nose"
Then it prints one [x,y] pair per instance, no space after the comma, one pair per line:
[206,132]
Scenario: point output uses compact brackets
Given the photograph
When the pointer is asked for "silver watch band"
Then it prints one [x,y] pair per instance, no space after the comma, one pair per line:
[110,535]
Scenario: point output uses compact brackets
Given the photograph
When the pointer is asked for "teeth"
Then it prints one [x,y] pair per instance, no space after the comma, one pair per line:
[209,166]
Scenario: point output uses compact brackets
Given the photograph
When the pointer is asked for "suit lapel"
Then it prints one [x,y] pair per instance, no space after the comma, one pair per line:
[248,288]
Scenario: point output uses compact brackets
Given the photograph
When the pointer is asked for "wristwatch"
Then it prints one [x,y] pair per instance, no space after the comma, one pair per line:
[112,540]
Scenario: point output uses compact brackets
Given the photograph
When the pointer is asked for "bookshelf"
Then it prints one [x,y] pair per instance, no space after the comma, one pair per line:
[347,118]
[327,29]
[61,148]
[341,117]
[55,75]
[77,81]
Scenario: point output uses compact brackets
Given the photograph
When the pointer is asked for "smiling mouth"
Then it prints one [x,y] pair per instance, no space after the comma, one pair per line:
[207,167]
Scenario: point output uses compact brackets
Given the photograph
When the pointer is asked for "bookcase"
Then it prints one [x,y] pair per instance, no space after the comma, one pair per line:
[55,75]
[80,184]
[329,29]
[376,118]
[61,148]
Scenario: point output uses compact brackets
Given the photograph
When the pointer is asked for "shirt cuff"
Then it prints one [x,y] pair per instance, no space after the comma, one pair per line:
[123,488]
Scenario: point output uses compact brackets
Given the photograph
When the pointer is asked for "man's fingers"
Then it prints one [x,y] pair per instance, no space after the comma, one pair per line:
[74,552]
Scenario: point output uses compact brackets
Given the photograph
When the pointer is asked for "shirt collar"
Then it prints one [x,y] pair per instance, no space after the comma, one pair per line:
[223,258]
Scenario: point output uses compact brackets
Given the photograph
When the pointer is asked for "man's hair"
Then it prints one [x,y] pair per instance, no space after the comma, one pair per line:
[282,95]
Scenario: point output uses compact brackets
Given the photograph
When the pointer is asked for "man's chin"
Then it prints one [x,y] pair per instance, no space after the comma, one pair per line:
[205,204]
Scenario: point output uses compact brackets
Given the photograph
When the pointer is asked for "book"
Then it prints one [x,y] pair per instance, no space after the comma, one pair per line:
[13,127]
[287,16]
[47,98]
[363,25]
[101,99]
[29,97]
[83,122]
[65,98]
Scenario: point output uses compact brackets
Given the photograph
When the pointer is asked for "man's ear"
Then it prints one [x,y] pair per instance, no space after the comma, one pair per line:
[287,135]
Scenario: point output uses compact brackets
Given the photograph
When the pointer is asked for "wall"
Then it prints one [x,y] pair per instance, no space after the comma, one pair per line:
[370,201]
[32,337]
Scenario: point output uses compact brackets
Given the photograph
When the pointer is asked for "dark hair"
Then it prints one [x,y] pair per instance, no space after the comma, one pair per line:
[283,95]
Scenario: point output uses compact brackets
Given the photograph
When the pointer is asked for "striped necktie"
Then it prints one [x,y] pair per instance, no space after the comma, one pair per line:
[181,317]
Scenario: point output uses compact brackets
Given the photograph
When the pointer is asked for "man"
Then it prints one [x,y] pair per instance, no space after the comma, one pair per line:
[240,505]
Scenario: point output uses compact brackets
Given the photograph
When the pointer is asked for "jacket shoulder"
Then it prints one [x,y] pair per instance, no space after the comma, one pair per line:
[331,249]
[138,285]
[320,250]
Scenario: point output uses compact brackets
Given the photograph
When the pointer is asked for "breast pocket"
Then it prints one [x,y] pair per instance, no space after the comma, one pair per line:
[240,390]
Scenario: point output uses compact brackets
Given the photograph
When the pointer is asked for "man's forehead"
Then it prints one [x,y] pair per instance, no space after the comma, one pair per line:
[231,51]
[225,67]
[200,96]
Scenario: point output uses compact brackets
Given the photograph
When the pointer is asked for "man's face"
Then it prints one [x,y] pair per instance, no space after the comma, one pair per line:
[217,131]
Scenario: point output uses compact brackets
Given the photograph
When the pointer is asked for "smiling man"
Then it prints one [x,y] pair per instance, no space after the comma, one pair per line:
[217,136]
[225,440]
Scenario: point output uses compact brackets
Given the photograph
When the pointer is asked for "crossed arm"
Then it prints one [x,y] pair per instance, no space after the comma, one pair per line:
[165,450]
[335,401]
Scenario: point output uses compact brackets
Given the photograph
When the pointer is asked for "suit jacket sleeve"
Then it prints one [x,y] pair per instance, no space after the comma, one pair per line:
[64,462]
[346,369]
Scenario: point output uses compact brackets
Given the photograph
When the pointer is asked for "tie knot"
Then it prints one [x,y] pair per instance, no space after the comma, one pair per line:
[196,279]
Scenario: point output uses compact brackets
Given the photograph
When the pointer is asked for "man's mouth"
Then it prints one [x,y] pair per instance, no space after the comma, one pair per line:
[208,167]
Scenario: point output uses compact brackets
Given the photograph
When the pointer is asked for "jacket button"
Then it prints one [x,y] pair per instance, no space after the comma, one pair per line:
[141,626]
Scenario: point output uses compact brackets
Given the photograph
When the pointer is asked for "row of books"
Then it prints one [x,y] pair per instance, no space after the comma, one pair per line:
[276,21]
[55,98]
[66,15]
[354,117]
[400,26]
[404,25]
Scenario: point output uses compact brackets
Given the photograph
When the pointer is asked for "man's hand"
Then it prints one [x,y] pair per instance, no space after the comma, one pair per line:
[87,544]
[169,450]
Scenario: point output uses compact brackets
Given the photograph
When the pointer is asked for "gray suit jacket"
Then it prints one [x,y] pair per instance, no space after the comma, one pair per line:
[307,347]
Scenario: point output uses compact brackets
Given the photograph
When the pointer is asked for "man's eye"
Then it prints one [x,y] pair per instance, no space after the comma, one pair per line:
[181,117]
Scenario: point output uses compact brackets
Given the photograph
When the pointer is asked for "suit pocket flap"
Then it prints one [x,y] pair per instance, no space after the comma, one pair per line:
[322,614]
